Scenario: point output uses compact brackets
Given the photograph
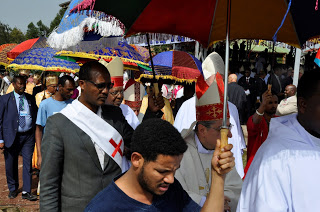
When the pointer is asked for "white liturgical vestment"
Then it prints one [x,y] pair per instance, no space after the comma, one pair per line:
[285,172]
[187,115]
[130,116]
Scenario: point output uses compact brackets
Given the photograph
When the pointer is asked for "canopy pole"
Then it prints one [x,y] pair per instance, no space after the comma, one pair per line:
[225,130]
[273,55]
[155,85]
[151,60]
[296,67]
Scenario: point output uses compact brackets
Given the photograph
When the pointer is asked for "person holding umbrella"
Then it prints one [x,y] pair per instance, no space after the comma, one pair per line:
[149,184]
[195,173]
[51,88]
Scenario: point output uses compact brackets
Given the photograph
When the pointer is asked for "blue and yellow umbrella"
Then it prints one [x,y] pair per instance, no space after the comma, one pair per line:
[42,59]
[129,56]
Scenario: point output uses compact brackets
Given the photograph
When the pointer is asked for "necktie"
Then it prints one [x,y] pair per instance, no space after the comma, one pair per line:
[247,80]
[22,119]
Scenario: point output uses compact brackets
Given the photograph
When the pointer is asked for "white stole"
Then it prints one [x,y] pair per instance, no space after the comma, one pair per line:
[100,131]
[6,80]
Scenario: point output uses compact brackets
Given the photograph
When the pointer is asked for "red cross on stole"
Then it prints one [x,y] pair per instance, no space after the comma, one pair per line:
[116,146]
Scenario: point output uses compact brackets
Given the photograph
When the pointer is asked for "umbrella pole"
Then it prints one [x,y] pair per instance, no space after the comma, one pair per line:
[224,131]
[273,54]
[156,89]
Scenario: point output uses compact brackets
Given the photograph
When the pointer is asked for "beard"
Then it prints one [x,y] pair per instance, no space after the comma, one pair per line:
[144,182]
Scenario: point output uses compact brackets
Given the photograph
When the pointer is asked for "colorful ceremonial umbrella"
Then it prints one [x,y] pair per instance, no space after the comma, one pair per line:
[42,59]
[73,27]
[129,56]
[25,45]
[209,21]
[4,49]
[206,20]
[177,66]
[142,51]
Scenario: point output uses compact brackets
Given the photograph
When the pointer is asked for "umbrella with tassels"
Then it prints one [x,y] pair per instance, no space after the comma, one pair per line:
[42,59]
[209,21]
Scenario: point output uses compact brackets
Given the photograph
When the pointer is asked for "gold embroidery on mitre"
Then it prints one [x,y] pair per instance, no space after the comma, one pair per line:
[214,112]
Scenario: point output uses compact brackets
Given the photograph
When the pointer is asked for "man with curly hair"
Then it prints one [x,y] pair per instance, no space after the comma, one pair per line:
[149,185]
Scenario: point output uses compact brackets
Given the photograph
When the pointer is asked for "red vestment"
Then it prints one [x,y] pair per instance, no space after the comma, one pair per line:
[257,134]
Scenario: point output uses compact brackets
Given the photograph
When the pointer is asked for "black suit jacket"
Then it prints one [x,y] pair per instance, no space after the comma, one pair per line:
[261,87]
[276,87]
[251,86]
[9,116]
[71,174]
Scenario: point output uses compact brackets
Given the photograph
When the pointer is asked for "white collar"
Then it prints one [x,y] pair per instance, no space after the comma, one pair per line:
[315,140]
[200,147]
[99,112]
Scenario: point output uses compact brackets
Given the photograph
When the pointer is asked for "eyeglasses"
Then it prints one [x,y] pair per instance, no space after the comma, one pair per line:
[102,86]
[116,93]
[219,128]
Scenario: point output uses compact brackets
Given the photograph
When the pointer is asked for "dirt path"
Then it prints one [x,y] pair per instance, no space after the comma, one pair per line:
[17,204]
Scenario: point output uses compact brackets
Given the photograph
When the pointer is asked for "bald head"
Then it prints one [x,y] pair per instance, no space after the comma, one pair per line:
[290,90]
[232,78]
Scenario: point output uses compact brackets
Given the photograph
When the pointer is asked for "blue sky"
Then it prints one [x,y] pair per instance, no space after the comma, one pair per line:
[19,13]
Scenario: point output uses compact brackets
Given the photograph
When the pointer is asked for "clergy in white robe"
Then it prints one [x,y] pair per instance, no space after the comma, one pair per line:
[284,174]
[187,115]
[130,116]
[194,174]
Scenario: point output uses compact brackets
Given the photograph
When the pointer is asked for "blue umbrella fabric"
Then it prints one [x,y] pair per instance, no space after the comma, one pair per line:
[73,27]
[42,59]
[178,66]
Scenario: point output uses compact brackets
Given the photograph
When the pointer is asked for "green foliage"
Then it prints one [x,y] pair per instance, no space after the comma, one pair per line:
[4,33]
[43,29]
[16,36]
[32,31]
[161,48]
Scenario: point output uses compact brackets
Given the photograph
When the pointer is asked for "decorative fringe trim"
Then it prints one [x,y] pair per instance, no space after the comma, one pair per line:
[123,59]
[147,76]
[15,67]
[75,35]
[84,5]
[4,64]
[157,37]
[97,57]
[77,55]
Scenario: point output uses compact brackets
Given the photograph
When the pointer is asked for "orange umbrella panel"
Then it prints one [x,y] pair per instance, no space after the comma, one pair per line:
[25,45]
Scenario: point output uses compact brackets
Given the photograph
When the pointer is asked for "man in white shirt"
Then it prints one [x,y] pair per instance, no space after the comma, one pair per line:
[285,171]
[289,104]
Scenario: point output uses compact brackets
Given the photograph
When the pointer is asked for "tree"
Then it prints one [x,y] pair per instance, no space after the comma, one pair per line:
[56,21]
[4,33]
[43,29]
[16,36]
[32,31]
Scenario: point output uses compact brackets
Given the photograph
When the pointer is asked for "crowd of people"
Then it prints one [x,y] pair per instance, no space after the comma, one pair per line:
[103,143]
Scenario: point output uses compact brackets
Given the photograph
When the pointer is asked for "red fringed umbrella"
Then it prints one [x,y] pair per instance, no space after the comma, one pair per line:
[25,45]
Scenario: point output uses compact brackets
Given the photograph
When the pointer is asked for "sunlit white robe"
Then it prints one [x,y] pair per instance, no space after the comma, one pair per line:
[285,172]
[130,116]
[187,115]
